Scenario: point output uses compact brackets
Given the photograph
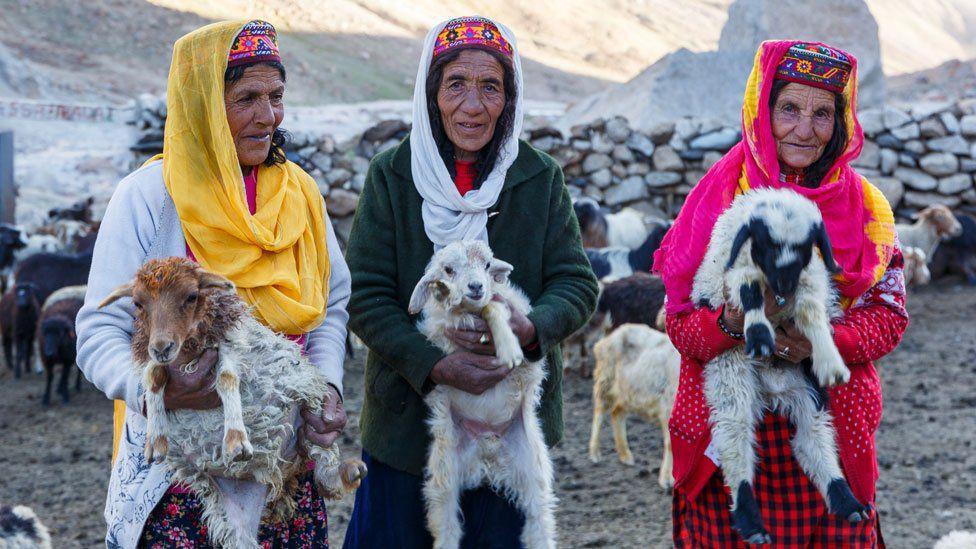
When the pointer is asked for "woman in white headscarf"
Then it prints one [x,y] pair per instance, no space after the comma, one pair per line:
[461,174]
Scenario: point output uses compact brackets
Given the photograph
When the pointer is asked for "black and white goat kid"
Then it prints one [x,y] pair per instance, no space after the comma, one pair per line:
[494,438]
[766,239]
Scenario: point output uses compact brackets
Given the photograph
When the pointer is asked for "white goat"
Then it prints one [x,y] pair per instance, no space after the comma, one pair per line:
[625,228]
[934,224]
[916,267]
[766,238]
[493,438]
[261,378]
[957,539]
[637,373]
[21,529]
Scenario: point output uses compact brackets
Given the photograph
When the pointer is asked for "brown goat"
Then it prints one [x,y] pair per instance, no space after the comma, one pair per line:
[181,310]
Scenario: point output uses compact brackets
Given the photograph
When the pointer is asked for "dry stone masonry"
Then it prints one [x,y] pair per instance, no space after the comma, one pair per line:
[920,155]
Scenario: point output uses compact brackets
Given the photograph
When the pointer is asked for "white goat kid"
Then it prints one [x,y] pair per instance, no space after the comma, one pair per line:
[261,378]
[494,438]
[766,238]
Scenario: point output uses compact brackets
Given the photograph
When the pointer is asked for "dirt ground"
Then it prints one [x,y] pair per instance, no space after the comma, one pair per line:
[56,459]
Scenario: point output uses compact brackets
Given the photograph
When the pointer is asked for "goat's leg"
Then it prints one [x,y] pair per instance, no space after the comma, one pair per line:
[333,478]
[236,445]
[815,450]
[47,388]
[810,317]
[154,380]
[529,478]
[665,477]
[507,348]
[732,391]
[63,382]
[77,377]
[746,293]
[618,419]
[598,412]
[8,355]
[442,477]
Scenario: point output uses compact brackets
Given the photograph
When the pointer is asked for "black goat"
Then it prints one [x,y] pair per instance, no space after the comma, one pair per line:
[79,211]
[636,299]
[619,262]
[19,309]
[51,271]
[11,240]
[958,254]
[56,334]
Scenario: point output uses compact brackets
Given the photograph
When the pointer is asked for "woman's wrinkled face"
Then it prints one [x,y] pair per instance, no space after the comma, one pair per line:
[471,97]
[254,110]
[803,123]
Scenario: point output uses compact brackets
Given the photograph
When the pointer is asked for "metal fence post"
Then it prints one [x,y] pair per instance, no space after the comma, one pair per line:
[8,192]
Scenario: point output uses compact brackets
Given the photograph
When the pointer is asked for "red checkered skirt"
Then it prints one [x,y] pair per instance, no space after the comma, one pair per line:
[792,508]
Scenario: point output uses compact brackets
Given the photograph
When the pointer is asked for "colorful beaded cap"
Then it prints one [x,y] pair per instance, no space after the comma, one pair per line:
[257,41]
[816,65]
[468,31]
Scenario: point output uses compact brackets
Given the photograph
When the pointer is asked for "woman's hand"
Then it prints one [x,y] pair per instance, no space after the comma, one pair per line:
[791,344]
[323,429]
[734,318]
[478,338]
[194,391]
[469,372]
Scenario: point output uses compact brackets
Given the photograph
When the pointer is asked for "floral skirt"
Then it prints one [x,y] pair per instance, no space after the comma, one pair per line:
[176,522]
[793,510]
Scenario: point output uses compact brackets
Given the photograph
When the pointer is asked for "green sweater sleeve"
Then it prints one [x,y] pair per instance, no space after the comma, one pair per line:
[569,286]
[376,315]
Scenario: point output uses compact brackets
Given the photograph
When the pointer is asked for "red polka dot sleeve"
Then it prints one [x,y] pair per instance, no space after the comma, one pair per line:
[874,326]
[696,334]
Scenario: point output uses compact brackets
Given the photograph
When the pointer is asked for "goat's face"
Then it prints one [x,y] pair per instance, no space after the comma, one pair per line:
[55,335]
[946,225]
[170,299]
[11,239]
[782,245]
[587,210]
[26,292]
[460,276]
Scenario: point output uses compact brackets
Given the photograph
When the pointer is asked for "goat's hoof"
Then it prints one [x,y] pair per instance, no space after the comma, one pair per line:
[759,538]
[352,472]
[156,449]
[595,457]
[833,376]
[236,446]
[627,459]
[759,341]
[842,502]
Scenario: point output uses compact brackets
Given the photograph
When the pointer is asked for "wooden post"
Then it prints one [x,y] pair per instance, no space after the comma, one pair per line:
[8,191]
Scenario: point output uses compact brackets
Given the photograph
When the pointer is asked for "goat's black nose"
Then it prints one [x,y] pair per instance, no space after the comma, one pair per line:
[475,286]
[163,351]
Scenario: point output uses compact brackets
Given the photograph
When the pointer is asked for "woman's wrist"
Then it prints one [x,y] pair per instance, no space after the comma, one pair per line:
[727,327]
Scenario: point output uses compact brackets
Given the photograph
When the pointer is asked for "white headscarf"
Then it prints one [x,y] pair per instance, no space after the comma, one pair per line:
[448,216]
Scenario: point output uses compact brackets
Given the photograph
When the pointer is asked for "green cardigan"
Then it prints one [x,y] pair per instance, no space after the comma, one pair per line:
[534,229]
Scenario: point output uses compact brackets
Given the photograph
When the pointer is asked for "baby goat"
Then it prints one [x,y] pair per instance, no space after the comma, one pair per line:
[493,438]
[636,372]
[766,239]
[261,379]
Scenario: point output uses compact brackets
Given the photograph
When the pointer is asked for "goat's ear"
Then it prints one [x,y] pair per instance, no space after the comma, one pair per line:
[213,281]
[745,232]
[421,293]
[500,270]
[124,290]
[823,243]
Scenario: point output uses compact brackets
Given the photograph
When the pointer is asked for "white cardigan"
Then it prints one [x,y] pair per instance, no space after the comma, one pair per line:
[141,223]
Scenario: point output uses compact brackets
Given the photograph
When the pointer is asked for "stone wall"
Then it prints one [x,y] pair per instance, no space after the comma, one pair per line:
[917,156]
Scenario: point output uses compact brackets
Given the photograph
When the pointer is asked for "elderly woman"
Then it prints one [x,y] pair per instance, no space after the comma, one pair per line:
[800,132]
[224,195]
[461,174]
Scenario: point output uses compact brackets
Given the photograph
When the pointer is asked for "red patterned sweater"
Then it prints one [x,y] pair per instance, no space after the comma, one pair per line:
[870,329]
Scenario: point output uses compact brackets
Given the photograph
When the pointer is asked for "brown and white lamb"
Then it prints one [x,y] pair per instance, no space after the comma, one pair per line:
[262,380]
[933,225]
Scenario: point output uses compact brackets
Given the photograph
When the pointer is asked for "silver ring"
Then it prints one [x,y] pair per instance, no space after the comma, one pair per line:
[786,351]
[484,338]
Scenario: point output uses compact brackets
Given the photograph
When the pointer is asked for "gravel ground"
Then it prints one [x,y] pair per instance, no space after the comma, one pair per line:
[56,459]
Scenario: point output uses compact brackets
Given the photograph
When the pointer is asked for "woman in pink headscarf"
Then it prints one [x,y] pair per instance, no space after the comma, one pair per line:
[800,132]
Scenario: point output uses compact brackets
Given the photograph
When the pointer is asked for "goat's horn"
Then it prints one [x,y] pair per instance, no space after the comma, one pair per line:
[124,290]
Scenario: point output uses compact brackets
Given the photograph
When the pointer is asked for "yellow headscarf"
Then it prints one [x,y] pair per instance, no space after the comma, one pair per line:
[278,257]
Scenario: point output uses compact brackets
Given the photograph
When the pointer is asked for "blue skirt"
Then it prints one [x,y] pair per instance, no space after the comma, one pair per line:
[389,512]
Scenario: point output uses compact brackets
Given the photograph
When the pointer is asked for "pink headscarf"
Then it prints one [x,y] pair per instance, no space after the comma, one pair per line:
[856,215]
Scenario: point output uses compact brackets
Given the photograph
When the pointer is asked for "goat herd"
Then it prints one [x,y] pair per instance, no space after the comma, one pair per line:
[43,277]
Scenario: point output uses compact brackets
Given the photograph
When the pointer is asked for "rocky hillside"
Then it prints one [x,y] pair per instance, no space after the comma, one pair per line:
[358,50]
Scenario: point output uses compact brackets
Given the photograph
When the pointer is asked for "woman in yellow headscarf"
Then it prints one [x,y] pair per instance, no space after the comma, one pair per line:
[223,194]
